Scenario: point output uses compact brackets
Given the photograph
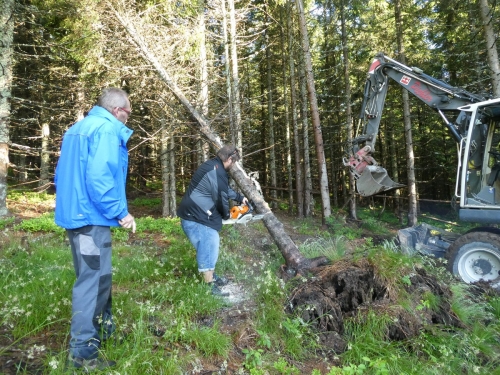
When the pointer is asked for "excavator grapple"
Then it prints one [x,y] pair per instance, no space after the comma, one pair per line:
[374,180]
[370,177]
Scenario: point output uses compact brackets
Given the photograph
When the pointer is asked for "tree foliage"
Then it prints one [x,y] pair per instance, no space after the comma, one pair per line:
[66,51]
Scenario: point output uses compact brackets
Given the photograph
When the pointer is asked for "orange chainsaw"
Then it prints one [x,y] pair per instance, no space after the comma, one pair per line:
[238,211]
[242,214]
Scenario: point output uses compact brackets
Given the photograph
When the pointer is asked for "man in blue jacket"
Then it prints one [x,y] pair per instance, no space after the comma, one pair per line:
[90,198]
[204,205]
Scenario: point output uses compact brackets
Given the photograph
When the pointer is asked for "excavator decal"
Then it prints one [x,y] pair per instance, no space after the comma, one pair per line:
[421,92]
[405,80]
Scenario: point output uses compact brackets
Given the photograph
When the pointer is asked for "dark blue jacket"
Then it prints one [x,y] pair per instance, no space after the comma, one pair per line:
[91,172]
[206,200]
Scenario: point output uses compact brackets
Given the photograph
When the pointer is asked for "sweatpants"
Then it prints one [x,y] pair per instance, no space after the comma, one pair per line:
[91,321]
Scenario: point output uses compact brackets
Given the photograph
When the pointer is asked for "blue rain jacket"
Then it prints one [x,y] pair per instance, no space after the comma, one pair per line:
[91,172]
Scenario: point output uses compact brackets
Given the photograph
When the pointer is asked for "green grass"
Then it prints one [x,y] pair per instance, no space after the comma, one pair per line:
[146,202]
[156,284]
[333,247]
[43,223]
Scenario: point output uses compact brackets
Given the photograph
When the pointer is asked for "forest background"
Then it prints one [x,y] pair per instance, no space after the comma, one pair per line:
[284,82]
[281,80]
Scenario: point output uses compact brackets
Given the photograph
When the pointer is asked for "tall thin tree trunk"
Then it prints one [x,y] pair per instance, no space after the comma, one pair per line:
[6,38]
[308,197]
[410,156]
[203,91]
[345,53]
[45,156]
[227,70]
[328,25]
[299,186]
[318,137]
[270,127]
[171,195]
[288,159]
[395,173]
[491,45]
[165,172]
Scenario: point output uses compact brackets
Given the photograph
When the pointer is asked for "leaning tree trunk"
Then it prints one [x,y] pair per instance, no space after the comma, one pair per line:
[236,106]
[294,259]
[491,45]
[6,38]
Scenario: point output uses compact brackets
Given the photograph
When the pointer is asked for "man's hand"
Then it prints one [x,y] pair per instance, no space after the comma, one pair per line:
[128,222]
[245,201]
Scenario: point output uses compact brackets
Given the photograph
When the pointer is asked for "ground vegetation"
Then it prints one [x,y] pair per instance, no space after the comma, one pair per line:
[373,310]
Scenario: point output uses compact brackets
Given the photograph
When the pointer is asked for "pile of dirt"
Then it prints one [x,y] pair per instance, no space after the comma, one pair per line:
[353,289]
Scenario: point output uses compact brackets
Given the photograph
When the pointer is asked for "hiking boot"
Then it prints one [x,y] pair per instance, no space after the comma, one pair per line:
[220,280]
[89,364]
[216,290]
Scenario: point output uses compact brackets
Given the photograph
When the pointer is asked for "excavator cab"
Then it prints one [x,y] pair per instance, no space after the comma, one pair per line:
[479,186]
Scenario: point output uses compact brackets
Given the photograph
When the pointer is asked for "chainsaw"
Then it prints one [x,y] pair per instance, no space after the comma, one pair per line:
[242,214]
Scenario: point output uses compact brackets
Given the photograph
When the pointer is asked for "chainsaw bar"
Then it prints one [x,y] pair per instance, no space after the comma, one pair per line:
[244,219]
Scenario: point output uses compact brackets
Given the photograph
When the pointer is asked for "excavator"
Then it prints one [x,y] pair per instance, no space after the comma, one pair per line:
[474,122]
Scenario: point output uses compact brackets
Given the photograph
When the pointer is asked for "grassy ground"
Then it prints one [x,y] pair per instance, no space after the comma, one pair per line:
[169,322]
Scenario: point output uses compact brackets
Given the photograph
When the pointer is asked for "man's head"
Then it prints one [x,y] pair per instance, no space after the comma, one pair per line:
[116,101]
[229,155]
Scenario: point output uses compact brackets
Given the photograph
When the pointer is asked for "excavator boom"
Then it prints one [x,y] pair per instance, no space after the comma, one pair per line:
[371,178]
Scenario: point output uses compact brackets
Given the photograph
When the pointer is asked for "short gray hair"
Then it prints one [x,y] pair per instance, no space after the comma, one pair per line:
[112,97]
[228,151]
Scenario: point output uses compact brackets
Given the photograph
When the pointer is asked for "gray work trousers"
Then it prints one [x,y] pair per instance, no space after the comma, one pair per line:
[91,321]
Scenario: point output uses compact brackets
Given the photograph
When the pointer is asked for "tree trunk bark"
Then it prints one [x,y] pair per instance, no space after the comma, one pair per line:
[491,45]
[299,186]
[270,117]
[203,90]
[171,194]
[345,52]
[165,173]
[410,156]
[236,80]
[295,261]
[288,160]
[318,137]
[6,38]
[227,70]
[167,161]
[44,157]
[308,197]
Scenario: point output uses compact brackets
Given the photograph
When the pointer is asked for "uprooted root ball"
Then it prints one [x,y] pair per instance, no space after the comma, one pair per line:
[351,290]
